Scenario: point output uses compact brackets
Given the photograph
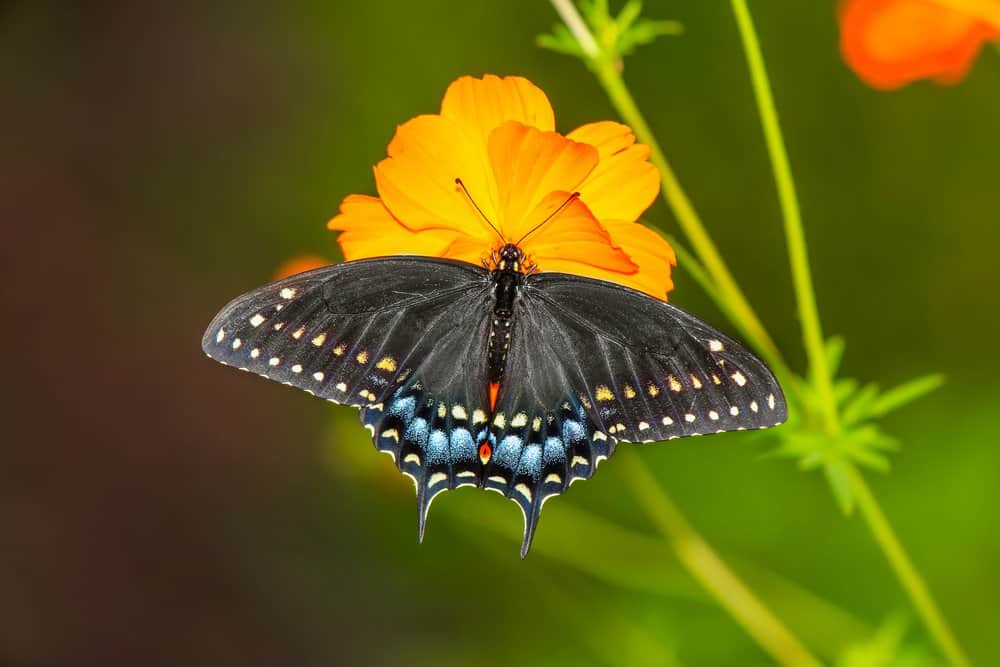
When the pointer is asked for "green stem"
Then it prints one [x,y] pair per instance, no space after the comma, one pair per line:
[812,331]
[733,301]
[812,334]
[913,583]
[711,571]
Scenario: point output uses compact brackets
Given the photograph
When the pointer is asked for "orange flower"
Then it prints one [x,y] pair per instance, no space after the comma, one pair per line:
[298,264]
[498,136]
[890,43]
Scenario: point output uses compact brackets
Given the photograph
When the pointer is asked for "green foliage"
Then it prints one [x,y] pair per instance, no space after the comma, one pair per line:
[859,439]
[887,647]
[617,36]
[833,425]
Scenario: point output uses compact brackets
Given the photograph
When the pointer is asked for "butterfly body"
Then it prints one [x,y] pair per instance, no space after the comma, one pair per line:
[507,282]
[498,377]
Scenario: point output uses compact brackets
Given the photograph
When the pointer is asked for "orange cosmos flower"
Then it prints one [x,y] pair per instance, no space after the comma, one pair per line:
[498,136]
[890,43]
[299,264]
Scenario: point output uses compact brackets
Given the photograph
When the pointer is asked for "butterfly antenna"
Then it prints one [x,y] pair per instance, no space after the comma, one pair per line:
[459,183]
[551,215]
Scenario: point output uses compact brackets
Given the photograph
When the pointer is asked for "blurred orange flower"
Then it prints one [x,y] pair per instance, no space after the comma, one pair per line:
[498,136]
[890,43]
[298,264]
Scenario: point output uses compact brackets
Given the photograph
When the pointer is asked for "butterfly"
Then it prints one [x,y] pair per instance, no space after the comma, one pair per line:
[496,376]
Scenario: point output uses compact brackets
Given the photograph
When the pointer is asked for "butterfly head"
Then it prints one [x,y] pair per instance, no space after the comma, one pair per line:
[509,257]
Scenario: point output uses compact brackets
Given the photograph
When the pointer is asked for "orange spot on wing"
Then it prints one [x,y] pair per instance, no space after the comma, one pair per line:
[494,390]
[485,452]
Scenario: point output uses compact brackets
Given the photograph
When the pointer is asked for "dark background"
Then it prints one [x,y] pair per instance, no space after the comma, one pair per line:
[158,509]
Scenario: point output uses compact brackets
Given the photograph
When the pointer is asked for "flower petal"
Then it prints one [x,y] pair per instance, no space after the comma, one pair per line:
[574,234]
[528,165]
[369,230]
[299,264]
[484,104]
[417,181]
[624,183]
[889,43]
[649,251]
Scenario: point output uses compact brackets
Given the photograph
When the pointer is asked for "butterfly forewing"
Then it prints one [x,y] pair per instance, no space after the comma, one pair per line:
[349,332]
[651,371]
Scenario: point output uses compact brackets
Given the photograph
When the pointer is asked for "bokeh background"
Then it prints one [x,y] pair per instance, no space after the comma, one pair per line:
[159,509]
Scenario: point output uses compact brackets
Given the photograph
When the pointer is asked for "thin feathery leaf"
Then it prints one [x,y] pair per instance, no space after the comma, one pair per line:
[906,393]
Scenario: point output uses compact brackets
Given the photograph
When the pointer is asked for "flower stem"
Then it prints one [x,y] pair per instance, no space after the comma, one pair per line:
[689,220]
[733,301]
[711,571]
[812,331]
[812,335]
[911,580]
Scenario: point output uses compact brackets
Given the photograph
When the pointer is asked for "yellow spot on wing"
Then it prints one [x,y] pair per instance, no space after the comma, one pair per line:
[386,364]
[629,391]
[339,350]
[362,357]
[603,393]
[675,385]
[653,390]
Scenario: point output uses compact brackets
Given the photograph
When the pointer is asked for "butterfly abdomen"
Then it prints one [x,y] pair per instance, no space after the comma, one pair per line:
[507,283]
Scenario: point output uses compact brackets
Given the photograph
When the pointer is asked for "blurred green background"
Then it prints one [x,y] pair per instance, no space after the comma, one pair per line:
[159,509]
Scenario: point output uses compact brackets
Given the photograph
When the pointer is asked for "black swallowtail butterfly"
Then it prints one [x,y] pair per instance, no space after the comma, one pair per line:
[498,376]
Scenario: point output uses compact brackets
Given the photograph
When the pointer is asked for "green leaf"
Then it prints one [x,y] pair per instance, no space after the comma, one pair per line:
[834,353]
[870,459]
[616,36]
[858,408]
[560,40]
[843,389]
[906,393]
[629,13]
[645,32]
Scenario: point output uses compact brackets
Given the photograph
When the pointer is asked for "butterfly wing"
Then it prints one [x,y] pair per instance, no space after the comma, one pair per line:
[593,363]
[405,339]
[352,332]
[652,371]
